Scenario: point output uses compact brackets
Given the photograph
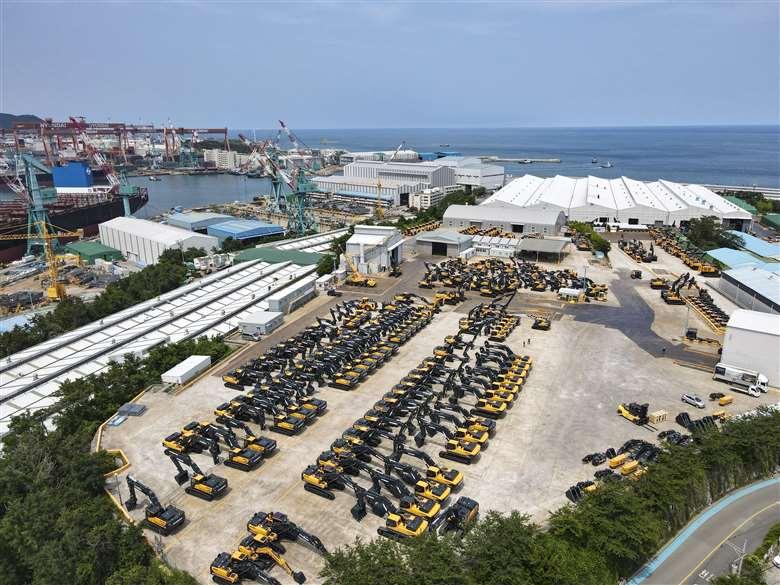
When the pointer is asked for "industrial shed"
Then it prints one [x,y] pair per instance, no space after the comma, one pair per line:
[622,200]
[752,342]
[443,242]
[543,249]
[510,218]
[374,248]
[91,251]
[274,255]
[143,241]
[759,247]
[243,230]
[752,287]
[197,221]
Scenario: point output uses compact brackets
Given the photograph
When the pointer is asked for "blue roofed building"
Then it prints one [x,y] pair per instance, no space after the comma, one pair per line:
[243,230]
[197,221]
[758,246]
[752,287]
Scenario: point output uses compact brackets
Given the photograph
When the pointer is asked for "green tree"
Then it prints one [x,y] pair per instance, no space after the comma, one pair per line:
[326,265]
[708,233]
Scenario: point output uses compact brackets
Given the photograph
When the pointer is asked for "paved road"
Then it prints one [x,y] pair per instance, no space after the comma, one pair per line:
[708,545]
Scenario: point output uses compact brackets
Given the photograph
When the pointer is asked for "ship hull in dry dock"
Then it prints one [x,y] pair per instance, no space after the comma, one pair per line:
[87,218]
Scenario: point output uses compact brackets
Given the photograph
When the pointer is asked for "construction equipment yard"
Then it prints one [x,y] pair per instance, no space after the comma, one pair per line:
[596,355]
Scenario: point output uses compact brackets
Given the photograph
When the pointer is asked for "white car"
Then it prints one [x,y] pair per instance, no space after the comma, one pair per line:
[776,561]
[693,400]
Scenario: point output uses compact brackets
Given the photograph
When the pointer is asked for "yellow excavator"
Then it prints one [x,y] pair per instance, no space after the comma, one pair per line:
[355,278]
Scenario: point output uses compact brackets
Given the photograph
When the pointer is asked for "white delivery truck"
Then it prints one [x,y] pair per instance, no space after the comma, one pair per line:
[748,378]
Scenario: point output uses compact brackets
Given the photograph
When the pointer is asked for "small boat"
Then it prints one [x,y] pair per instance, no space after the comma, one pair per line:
[607,165]
[444,146]
[594,161]
[154,178]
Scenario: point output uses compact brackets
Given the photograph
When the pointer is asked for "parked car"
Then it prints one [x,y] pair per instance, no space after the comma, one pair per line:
[693,400]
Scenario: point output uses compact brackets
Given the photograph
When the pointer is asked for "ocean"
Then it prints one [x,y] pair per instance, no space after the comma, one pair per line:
[722,155]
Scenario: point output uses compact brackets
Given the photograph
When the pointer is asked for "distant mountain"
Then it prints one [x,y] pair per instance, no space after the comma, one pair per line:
[8,120]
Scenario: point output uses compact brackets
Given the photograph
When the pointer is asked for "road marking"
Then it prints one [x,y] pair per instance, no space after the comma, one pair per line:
[722,542]
[695,524]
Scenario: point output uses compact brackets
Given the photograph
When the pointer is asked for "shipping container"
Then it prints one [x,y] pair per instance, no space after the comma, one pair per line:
[185,371]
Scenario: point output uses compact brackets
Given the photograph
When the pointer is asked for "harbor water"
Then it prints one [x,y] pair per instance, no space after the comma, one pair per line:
[733,155]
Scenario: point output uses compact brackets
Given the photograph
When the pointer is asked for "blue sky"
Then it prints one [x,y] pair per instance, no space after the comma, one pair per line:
[393,64]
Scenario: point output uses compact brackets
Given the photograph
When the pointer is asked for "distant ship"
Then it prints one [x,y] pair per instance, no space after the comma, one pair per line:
[607,165]
[594,161]
[78,206]
[444,145]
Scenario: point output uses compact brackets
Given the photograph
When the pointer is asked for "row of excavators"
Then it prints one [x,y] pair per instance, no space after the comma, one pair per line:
[674,242]
[342,351]
[494,277]
[448,394]
[636,250]
[262,549]
[703,303]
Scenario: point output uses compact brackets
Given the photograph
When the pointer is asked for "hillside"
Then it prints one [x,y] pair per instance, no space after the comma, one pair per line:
[8,120]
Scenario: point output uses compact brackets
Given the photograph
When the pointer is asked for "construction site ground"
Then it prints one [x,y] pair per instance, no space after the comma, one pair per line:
[596,355]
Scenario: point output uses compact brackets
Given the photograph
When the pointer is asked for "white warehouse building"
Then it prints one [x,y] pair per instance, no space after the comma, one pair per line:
[472,172]
[752,342]
[144,241]
[622,200]
[408,173]
[509,218]
[392,192]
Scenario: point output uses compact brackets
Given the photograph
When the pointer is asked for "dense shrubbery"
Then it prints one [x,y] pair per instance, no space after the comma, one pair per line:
[604,538]
[72,313]
[597,242]
[56,523]
[757,200]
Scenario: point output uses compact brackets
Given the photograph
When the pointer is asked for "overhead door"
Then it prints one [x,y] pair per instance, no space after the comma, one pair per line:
[438,249]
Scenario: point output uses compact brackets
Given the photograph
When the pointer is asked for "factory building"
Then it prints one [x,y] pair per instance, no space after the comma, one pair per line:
[509,218]
[758,247]
[472,172]
[622,200]
[374,248]
[88,252]
[402,155]
[752,287]
[224,159]
[430,174]
[429,197]
[752,342]
[730,258]
[243,230]
[143,241]
[443,242]
[362,189]
[196,221]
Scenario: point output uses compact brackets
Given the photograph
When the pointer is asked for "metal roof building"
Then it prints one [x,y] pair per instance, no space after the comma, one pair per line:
[752,287]
[622,200]
[143,241]
[443,242]
[374,248]
[316,243]
[276,255]
[510,218]
[758,246]
[752,342]
[91,251]
[197,221]
[213,305]
[243,229]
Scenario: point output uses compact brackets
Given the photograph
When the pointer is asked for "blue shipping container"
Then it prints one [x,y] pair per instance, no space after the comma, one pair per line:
[73,174]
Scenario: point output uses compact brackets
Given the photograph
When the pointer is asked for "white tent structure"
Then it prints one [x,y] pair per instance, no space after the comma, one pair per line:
[622,200]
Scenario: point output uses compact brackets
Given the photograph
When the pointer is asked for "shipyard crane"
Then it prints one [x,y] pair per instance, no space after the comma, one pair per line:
[299,145]
[379,210]
[56,290]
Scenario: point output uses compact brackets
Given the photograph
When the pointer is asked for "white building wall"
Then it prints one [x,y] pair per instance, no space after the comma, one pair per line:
[145,248]
[753,350]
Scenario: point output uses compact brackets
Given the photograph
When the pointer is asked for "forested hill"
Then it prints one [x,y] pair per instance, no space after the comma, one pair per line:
[8,120]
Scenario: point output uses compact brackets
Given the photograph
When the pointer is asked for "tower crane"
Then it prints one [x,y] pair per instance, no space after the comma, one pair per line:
[379,210]
[56,290]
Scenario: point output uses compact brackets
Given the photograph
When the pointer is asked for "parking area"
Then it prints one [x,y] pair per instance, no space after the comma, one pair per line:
[596,355]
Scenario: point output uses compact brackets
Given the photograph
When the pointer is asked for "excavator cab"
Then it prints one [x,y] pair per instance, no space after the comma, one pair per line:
[287,424]
[489,408]
[457,517]
[322,480]
[400,526]
[460,450]
[245,459]
[230,569]
[444,475]
[204,486]
[422,507]
[266,556]
[432,491]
